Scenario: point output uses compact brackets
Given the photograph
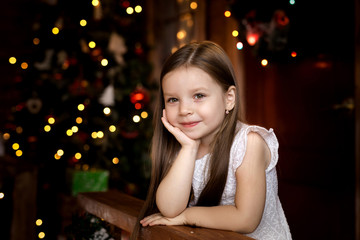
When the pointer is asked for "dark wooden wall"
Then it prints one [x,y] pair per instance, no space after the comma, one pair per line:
[309,101]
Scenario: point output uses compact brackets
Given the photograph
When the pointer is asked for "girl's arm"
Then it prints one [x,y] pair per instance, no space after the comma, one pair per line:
[250,196]
[173,193]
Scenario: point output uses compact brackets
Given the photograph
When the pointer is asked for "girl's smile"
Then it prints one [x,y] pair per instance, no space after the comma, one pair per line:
[189,124]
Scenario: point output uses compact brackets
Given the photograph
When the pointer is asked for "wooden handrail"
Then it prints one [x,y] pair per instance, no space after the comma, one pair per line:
[121,210]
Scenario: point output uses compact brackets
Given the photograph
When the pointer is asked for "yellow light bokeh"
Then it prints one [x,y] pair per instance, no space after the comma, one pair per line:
[94,135]
[18,153]
[129,10]
[264,62]
[92,44]
[235,33]
[60,152]
[81,107]
[24,65]
[107,110]
[2,195]
[227,13]
[193,5]
[95,3]
[83,22]
[51,120]
[78,155]
[181,34]
[69,132]
[136,118]
[41,235]
[112,128]
[104,62]
[144,114]
[138,9]
[74,129]
[12,60]
[15,146]
[39,222]
[55,30]
[115,160]
[47,128]
[79,120]
[100,134]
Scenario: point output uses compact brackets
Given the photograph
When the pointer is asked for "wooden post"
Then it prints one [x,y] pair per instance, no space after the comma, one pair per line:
[24,208]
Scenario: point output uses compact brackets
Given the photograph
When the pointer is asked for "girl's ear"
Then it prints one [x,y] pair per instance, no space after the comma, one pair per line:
[230,98]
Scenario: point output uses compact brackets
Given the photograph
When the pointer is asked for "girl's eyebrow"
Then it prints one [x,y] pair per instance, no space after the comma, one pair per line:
[168,94]
[200,89]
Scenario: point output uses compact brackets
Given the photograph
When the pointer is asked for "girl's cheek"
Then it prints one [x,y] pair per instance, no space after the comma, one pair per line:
[170,117]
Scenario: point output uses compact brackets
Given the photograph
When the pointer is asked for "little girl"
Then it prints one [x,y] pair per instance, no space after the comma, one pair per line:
[208,168]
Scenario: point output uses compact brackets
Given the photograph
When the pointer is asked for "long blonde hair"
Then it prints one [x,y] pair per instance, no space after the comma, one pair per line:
[212,59]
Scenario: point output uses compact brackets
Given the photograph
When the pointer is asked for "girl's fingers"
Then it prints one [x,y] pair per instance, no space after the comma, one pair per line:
[152,220]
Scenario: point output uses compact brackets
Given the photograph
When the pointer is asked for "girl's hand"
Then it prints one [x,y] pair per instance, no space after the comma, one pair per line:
[159,219]
[180,136]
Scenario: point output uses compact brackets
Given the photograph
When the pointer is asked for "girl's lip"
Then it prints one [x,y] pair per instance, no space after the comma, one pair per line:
[189,124]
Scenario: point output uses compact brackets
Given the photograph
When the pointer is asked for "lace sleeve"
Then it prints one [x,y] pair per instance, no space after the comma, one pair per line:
[239,146]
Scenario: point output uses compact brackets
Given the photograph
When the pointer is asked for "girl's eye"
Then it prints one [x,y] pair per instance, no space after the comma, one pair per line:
[199,96]
[172,100]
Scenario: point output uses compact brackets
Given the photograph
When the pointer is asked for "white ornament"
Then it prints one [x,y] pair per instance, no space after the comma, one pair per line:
[117,47]
[108,96]
[46,64]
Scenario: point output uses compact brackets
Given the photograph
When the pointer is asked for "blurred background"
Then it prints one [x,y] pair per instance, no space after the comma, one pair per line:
[79,80]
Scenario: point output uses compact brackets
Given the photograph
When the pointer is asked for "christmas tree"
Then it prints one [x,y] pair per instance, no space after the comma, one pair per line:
[85,97]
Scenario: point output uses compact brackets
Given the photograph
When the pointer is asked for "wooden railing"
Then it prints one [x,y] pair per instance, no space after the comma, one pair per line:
[121,211]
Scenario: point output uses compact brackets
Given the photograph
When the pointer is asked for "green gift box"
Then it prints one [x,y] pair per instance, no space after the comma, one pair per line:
[88,181]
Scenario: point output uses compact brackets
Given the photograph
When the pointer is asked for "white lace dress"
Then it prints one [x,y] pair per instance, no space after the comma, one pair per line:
[273,225]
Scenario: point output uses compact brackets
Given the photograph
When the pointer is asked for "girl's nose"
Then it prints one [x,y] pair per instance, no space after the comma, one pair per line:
[186,108]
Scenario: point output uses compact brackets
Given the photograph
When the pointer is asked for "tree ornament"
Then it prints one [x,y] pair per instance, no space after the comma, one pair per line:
[61,57]
[140,95]
[108,96]
[46,63]
[34,104]
[117,47]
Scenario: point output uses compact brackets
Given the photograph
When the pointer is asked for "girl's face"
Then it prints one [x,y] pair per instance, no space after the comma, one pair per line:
[194,102]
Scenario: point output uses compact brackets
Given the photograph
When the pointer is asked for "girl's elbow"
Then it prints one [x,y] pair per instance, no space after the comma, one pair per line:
[170,213]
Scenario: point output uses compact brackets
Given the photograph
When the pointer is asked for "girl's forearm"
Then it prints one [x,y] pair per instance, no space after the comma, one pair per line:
[173,192]
[221,217]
